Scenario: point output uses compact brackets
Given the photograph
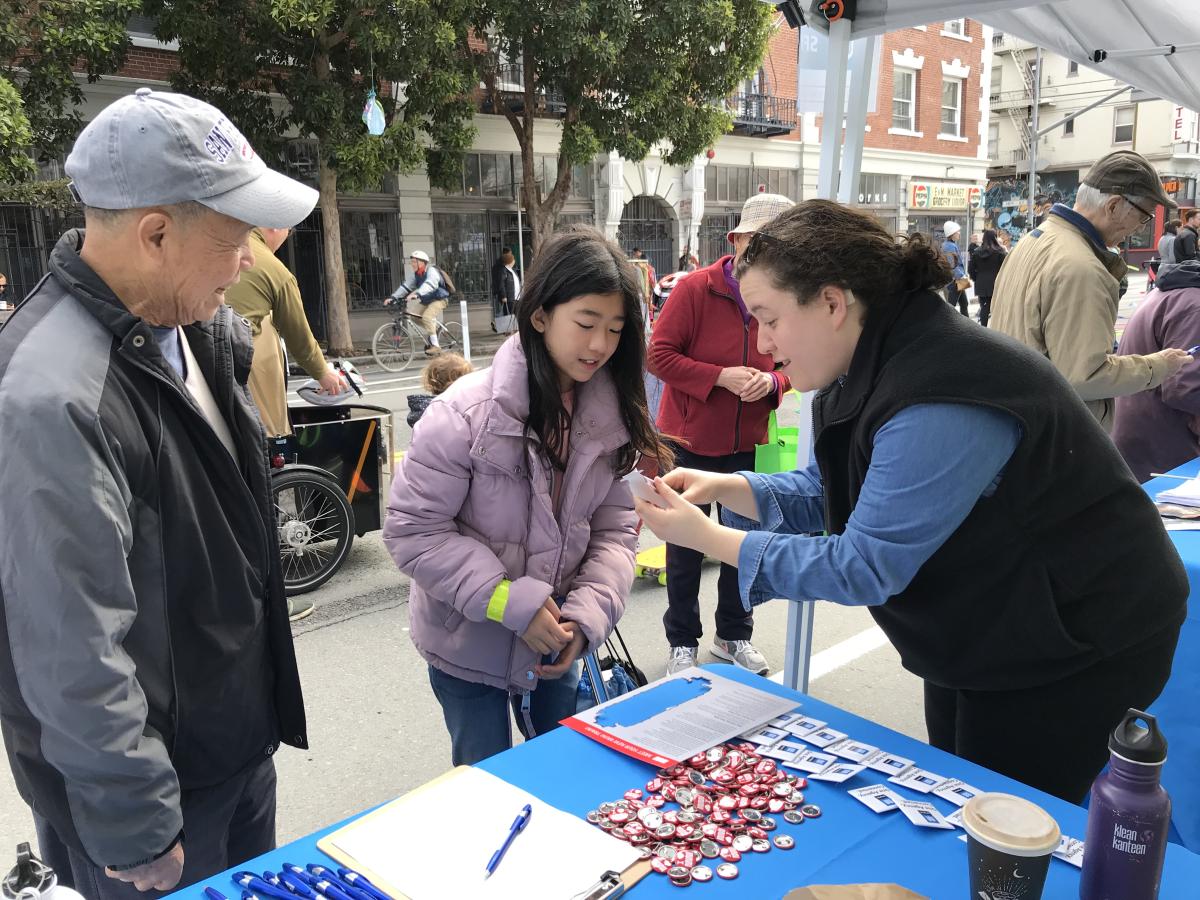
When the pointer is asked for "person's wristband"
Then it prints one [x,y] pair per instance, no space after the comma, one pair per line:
[149,859]
[498,602]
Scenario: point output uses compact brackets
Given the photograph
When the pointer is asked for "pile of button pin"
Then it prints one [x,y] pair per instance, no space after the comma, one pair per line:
[726,796]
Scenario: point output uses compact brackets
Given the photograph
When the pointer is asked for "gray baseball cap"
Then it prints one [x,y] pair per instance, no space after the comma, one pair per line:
[154,148]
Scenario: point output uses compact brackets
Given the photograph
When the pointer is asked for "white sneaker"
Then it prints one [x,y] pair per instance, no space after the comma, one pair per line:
[681,658]
[741,653]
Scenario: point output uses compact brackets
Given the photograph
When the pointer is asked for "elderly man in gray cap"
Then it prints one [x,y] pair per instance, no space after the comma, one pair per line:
[1058,290]
[147,673]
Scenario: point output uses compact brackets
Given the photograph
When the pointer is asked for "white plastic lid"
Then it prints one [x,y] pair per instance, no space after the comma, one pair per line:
[1010,824]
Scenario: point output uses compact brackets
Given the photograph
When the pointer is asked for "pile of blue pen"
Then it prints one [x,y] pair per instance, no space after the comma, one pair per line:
[313,882]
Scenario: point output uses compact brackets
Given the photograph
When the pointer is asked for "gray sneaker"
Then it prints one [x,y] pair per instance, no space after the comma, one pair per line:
[741,653]
[681,658]
[300,608]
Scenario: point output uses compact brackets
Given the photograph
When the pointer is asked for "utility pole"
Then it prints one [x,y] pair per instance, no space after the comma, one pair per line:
[1033,131]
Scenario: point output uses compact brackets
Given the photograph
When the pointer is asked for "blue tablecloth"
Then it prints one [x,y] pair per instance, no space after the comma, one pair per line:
[848,844]
[1178,709]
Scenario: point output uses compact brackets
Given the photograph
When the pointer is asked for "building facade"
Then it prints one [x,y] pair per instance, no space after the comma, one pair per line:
[924,162]
[1166,134]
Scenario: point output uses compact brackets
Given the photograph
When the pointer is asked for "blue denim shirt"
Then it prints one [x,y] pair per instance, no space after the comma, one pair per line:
[929,466]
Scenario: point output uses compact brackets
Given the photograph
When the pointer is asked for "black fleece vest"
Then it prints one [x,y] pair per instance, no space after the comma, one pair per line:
[1065,564]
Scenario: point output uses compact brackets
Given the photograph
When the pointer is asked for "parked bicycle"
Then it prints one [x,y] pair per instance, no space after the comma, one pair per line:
[396,343]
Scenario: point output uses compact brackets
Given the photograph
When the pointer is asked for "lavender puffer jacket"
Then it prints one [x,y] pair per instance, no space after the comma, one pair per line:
[470,505]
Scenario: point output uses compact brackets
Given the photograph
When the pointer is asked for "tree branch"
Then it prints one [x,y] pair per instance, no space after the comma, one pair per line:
[339,36]
[489,82]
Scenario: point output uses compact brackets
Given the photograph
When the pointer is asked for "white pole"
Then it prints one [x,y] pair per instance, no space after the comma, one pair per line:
[466,327]
[835,104]
[1033,131]
[862,74]
[520,238]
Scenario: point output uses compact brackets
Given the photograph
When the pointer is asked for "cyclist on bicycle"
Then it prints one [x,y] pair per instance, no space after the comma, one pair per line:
[426,291]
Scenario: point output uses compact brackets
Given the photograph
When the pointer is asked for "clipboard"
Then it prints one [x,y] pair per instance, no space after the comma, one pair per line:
[366,845]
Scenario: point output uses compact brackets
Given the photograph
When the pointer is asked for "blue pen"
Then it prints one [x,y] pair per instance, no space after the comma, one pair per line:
[214,894]
[329,875]
[361,881]
[261,886]
[1192,351]
[518,826]
[297,886]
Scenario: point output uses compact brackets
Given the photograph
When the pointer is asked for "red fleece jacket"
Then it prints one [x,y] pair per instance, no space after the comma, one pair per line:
[700,332]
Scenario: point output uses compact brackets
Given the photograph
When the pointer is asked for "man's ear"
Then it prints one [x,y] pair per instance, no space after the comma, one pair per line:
[152,229]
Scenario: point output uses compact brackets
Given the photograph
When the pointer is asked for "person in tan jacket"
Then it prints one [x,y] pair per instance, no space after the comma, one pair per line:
[1058,291]
[267,295]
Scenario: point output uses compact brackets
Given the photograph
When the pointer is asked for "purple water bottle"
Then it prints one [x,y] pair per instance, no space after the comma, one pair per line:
[1128,816]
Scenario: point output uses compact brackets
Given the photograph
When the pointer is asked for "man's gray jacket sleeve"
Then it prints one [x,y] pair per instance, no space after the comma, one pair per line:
[66,530]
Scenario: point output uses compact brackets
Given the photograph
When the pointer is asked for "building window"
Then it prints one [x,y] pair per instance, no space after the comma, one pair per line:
[993,140]
[1123,125]
[1072,68]
[878,190]
[955,26]
[735,184]
[370,252]
[997,82]
[1069,128]
[460,247]
[904,99]
[951,107]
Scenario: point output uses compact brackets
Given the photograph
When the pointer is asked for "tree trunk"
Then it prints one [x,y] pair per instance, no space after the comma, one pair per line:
[337,310]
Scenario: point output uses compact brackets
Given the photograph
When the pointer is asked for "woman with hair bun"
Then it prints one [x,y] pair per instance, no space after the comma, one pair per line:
[967,496]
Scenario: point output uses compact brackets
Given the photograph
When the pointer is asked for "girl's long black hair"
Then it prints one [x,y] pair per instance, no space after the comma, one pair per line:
[573,262]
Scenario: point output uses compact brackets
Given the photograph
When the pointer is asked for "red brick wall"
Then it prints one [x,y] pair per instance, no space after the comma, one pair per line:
[149,64]
[779,65]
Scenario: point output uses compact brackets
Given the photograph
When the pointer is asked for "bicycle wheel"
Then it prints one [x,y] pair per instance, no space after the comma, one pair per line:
[392,346]
[315,525]
[450,336]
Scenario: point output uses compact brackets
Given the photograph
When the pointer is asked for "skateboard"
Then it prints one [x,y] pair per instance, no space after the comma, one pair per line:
[652,563]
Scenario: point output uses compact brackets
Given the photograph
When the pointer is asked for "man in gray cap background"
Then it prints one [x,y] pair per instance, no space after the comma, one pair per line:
[1058,290]
[148,673]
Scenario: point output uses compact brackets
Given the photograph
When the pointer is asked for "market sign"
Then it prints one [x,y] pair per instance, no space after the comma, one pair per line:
[924,195]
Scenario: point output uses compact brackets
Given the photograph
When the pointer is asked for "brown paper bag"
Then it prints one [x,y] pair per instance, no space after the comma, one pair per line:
[853,892]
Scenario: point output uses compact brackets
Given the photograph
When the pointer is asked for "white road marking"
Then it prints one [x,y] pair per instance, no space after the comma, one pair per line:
[833,658]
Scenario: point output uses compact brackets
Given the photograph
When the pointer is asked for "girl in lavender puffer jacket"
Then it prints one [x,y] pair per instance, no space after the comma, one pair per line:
[508,512]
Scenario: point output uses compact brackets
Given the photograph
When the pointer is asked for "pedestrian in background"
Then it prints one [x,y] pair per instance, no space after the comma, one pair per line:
[1159,429]
[436,377]
[955,295]
[3,291]
[1059,288]
[147,675]
[1166,244]
[718,391]
[427,292]
[983,267]
[1184,247]
[508,511]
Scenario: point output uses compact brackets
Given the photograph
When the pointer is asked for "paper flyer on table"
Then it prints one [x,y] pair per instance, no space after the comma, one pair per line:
[674,719]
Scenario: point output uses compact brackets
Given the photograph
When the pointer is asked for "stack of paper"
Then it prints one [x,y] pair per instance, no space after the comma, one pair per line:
[1186,493]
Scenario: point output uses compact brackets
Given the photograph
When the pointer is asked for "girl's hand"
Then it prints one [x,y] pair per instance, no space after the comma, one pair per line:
[544,635]
[567,658]
[757,387]
[681,523]
[696,486]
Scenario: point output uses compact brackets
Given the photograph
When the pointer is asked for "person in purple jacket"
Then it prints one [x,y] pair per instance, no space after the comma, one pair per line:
[1159,429]
[508,511]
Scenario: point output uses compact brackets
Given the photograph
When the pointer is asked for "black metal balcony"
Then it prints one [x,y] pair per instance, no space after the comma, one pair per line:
[762,115]
[510,86]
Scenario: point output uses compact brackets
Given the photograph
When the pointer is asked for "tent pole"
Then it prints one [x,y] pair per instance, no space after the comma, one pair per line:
[835,104]
[1034,138]
[862,73]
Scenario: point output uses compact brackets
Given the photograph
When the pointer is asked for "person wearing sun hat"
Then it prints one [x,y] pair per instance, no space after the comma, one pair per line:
[1059,289]
[148,673]
[954,295]
[718,392]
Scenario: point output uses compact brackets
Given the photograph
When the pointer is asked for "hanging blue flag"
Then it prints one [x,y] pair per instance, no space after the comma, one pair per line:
[372,115]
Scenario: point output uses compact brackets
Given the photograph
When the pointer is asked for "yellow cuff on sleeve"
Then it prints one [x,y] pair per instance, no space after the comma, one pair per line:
[499,601]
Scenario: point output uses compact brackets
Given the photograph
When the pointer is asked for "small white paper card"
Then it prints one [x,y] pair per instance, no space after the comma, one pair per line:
[955,818]
[853,750]
[957,792]
[785,750]
[783,721]
[838,772]
[889,764]
[812,762]
[1070,851]
[877,798]
[918,780]
[643,489]
[766,736]
[804,726]
[823,737]
[923,814]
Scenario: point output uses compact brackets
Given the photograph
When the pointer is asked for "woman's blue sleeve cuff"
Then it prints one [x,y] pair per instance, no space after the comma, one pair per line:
[750,557]
[770,513]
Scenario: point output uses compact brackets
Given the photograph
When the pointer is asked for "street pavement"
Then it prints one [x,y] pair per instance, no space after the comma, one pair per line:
[374,726]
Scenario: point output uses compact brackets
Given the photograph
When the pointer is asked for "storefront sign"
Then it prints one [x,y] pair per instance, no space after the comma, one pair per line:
[1183,125]
[923,195]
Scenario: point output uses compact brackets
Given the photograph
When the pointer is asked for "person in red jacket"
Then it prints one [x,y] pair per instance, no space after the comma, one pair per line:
[718,391]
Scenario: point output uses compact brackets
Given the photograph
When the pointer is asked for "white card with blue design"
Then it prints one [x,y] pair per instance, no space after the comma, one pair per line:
[804,726]
[785,750]
[765,736]
[957,792]
[918,780]
[923,814]
[877,798]
[852,750]
[889,763]
[823,737]
[812,762]
[783,721]
[838,772]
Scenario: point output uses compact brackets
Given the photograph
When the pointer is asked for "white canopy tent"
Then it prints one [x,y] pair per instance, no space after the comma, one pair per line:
[1153,45]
